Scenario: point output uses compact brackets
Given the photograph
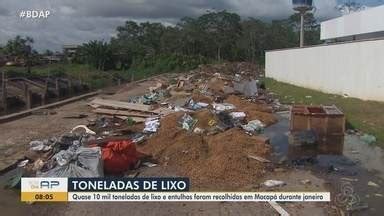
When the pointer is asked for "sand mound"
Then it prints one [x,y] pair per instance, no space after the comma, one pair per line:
[210,161]
[216,86]
[202,98]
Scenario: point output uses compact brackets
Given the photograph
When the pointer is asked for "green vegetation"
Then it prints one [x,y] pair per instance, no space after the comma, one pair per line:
[364,115]
[95,78]
[214,36]
[143,49]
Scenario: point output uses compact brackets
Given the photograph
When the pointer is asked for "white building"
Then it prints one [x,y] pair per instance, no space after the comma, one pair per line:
[352,66]
[365,24]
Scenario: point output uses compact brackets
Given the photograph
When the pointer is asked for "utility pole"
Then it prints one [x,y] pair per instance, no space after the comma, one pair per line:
[302,29]
[302,6]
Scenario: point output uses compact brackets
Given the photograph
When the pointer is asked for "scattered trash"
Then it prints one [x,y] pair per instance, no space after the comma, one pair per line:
[274,183]
[263,160]
[149,164]
[196,105]
[187,122]
[23,163]
[76,162]
[225,121]
[254,126]
[247,87]
[38,165]
[373,184]
[238,115]
[198,131]
[279,209]
[87,130]
[44,146]
[74,155]
[212,122]
[305,181]
[120,156]
[349,179]
[369,139]
[151,125]
[138,138]
[219,107]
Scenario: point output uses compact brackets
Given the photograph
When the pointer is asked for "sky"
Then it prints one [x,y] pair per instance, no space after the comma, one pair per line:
[78,21]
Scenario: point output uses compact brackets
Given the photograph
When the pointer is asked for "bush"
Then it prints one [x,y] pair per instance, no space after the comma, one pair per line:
[164,63]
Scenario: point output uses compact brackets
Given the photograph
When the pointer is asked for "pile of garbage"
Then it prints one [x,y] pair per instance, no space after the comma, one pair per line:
[207,123]
[210,157]
[82,153]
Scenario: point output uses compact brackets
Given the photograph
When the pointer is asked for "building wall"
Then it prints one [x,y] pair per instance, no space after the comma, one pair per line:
[355,69]
[358,23]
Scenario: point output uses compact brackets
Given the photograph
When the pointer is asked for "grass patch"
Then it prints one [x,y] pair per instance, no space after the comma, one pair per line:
[94,78]
[368,116]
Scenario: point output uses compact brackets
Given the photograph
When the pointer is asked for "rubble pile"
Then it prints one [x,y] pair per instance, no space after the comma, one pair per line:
[206,124]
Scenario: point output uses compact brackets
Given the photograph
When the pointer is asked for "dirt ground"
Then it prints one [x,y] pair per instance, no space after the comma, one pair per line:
[16,135]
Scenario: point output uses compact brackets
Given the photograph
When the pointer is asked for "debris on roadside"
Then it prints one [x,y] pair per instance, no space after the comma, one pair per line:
[254,127]
[151,125]
[263,160]
[187,122]
[305,182]
[369,139]
[214,115]
[223,107]
[76,162]
[274,183]
[373,184]
[120,156]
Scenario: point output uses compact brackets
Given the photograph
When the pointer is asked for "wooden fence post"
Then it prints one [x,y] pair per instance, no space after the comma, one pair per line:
[4,91]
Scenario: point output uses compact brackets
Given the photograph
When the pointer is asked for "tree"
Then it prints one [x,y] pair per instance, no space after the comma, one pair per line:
[48,52]
[350,7]
[97,54]
[222,29]
[252,43]
[20,48]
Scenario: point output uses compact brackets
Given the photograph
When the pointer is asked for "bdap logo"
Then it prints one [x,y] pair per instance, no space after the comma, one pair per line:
[34,14]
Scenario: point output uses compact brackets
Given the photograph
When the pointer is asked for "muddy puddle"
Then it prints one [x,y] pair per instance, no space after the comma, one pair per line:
[356,177]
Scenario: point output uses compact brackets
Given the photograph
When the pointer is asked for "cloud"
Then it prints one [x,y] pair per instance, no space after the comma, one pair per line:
[4,11]
[78,21]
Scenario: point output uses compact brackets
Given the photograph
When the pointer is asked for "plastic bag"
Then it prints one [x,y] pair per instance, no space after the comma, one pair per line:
[77,162]
[120,156]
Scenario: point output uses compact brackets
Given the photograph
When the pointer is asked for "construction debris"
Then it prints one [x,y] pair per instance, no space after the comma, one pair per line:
[187,122]
[255,126]
[274,183]
[151,125]
[121,113]
[203,116]
[263,160]
[121,105]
